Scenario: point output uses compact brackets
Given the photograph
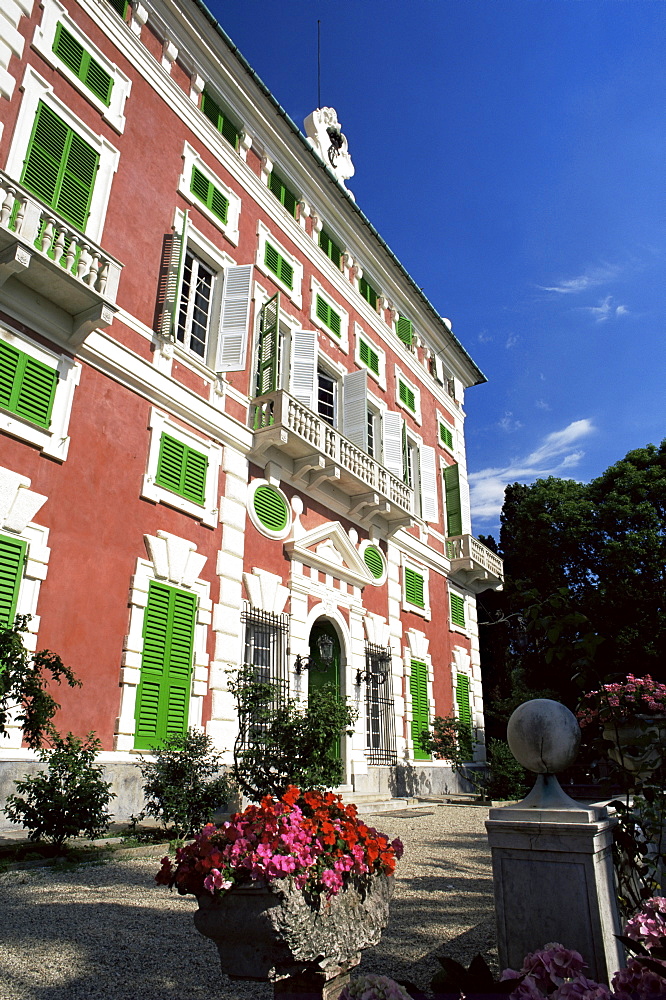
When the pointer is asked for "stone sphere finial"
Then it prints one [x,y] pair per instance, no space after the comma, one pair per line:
[543,736]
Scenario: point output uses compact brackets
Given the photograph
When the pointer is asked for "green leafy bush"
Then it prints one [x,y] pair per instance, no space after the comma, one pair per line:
[69,798]
[506,778]
[289,743]
[184,785]
[452,740]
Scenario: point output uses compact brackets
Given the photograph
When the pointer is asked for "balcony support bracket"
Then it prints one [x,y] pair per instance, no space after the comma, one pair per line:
[13,259]
[96,318]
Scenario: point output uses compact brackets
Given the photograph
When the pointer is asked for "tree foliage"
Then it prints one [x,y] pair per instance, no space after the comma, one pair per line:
[584,585]
[24,679]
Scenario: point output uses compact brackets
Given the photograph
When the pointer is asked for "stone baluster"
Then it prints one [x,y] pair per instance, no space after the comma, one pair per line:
[84,260]
[59,245]
[7,206]
[103,277]
[71,254]
[47,234]
[91,277]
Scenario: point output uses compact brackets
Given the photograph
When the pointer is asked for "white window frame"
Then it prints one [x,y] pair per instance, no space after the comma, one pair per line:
[443,422]
[159,424]
[54,440]
[251,513]
[43,43]
[360,334]
[415,441]
[343,340]
[378,408]
[401,377]
[192,159]
[264,235]
[425,612]
[36,89]
[466,608]
[336,373]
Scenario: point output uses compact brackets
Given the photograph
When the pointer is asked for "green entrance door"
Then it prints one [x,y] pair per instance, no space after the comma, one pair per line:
[320,673]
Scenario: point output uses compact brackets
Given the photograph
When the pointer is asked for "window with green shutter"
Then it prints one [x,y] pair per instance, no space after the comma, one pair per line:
[453,506]
[445,435]
[368,356]
[82,64]
[374,560]
[282,193]
[271,508]
[330,248]
[280,267]
[405,331]
[414,591]
[181,469]
[220,119]
[418,689]
[27,386]
[329,316]
[457,610]
[12,559]
[209,195]
[163,694]
[463,700]
[120,6]
[368,292]
[407,395]
[60,168]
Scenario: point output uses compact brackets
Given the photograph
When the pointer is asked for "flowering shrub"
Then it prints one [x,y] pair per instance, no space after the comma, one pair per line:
[555,972]
[311,838]
[615,702]
[649,925]
[372,987]
[642,980]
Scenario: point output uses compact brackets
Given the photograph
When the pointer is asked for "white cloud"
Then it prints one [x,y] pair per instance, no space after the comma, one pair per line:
[509,423]
[555,454]
[590,278]
[511,341]
[605,310]
[484,337]
[541,404]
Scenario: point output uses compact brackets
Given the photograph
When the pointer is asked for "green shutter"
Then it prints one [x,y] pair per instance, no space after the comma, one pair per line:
[12,558]
[210,195]
[280,267]
[27,386]
[407,395]
[414,588]
[82,64]
[368,292]
[374,561]
[269,347]
[457,610]
[163,694]
[181,469]
[368,356]
[418,688]
[462,700]
[220,119]
[329,316]
[445,436]
[60,168]
[403,328]
[330,248]
[120,6]
[270,508]
[282,193]
[453,508]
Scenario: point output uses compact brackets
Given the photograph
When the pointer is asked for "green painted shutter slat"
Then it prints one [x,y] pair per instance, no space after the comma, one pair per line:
[181,469]
[77,182]
[463,700]
[166,664]
[224,125]
[194,476]
[120,6]
[446,436]
[368,356]
[99,81]
[330,248]
[418,687]
[269,346]
[329,316]
[12,558]
[82,64]
[373,560]
[458,610]
[368,292]
[407,395]
[210,195]
[280,267]
[27,386]
[270,508]
[404,330]
[68,49]
[453,506]
[9,364]
[283,193]
[414,593]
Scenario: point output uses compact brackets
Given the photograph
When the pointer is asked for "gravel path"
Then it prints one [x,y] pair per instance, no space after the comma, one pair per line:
[106,932]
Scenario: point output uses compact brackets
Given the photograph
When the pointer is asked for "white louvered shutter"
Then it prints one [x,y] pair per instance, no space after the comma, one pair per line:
[234,318]
[355,408]
[303,382]
[392,443]
[429,505]
[174,257]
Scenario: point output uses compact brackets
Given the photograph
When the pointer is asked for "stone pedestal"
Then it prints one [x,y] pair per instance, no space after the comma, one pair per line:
[553,875]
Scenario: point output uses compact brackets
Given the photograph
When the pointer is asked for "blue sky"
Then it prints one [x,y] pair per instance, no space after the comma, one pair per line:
[512,153]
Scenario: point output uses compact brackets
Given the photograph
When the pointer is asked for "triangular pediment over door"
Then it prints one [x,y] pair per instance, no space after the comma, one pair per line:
[328,549]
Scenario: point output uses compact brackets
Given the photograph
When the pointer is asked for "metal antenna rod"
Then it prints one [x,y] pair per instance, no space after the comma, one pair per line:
[318,64]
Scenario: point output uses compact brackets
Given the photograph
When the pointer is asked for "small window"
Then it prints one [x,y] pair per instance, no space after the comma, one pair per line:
[406,395]
[458,610]
[329,316]
[271,508]
[283,194]
[27,386]
[414,589]
[368,356]
[210,195]
[445,435]
[280,267]
[330,248]
[82,64]
[405,331]
[221,120]
[368,292]
[182,470]
[265,642]
[327,387]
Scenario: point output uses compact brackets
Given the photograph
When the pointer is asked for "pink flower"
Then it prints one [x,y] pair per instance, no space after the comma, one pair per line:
[216,880]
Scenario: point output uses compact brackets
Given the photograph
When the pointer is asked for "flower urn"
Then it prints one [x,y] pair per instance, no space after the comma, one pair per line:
[271,931]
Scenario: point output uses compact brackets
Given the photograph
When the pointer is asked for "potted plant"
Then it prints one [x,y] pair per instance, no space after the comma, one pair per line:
[295,885]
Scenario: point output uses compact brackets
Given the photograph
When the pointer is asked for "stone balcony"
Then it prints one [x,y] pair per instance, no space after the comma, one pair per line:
[474,564]
[42,257]
[312,452]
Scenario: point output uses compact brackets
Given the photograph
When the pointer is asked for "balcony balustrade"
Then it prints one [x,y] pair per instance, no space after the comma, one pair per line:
[42,252]
[474,564]
[294,436]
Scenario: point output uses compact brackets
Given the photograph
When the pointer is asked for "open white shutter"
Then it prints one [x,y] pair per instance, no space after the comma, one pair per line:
[429,505]
[234,318]
[303,381]
[392,442]
[172,279]
[355,408]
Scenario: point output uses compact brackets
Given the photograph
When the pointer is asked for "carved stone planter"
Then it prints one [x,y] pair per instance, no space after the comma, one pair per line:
[270,932]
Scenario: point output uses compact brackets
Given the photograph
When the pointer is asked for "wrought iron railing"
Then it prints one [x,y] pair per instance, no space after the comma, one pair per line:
[379,706]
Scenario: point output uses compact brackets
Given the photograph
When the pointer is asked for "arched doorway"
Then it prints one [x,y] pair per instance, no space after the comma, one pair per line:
[325,660]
